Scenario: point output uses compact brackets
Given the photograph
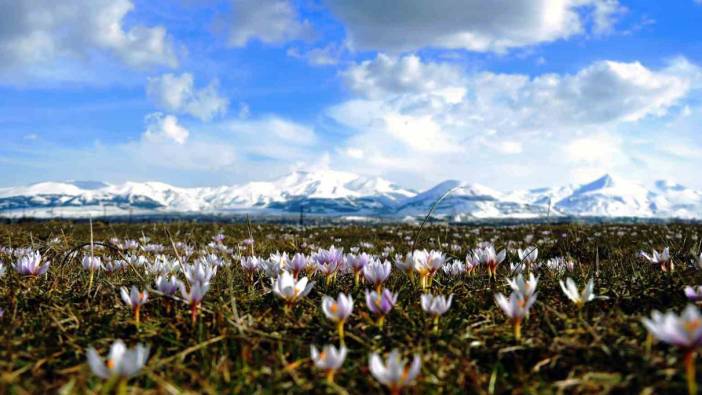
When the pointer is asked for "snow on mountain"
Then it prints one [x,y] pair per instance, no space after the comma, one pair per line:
[349,195]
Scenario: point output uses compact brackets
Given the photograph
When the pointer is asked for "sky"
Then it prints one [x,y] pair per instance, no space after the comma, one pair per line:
[507,93]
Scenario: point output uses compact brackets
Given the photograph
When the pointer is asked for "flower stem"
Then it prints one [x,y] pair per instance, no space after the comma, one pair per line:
[436,324]
[340,329]
[381,321]
[137,315]
[518,330]
[690,372]
[330,376]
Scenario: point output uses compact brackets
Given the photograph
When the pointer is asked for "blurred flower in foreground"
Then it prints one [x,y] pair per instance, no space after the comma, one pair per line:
[381,303]
[289,289]
[134,299]
[338,311]
[121,361]
[526,288]
[516,308]
[167,286]
[329,360]
[694,294]
[395,373]
[30,265]
[684,331]
[579,298]
[662,259]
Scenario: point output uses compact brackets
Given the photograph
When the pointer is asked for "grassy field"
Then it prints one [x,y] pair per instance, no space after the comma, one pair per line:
[245,341]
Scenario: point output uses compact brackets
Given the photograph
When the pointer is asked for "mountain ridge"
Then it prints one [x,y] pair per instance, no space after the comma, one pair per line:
[337,193]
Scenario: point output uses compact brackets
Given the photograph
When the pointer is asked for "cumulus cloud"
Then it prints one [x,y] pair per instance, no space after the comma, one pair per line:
[325,56]
[416,118]
[40,32]
[177,93]
[165,128]
[269,21]
[475,25]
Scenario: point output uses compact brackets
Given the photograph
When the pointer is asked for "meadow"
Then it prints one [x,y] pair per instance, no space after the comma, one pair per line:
[244,337]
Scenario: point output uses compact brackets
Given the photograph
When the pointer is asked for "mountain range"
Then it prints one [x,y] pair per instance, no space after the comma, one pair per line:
[344,194]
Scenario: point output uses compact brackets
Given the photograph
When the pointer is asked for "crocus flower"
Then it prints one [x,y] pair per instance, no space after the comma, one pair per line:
[91,263]
[381,303]
[684,331]
[694,294]
[454,268]
[30,265]
[297,264]
[427,263]
[250,264]
[528,256]
[194,296]
[436,305]
[579,298]
[405,263]
[329,360]
[121,362]
[487,257]
[662,259]
[395,373]
[201,272]
[290,289]
[515,308]
[168,286]
[134,299]
[338,311]
[357,263]
[526,288]
[376,273]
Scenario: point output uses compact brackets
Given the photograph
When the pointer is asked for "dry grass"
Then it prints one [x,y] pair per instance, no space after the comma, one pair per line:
[244,343]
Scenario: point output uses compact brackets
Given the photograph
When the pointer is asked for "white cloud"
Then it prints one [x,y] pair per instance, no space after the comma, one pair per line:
[408,127]
[43,32]
[177,93]
[476,25]
[270,21]
[325,56]
[164,128]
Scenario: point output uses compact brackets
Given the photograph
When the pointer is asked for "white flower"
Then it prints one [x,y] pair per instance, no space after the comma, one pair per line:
[395,373]
[121,361]
[134,298]
[30,265]
[526,288]
[579,298]
[376,273]
[694,294]
[339,309]
[528,255]
[682,331]
[455,268]
[406,263]
[428,262]
[286,287]
[2,269]
[201,272]
[168,286]
[196,293]
[93,263]
[330,358]
[436,305]
[662,259]
[250,263]
[516,307]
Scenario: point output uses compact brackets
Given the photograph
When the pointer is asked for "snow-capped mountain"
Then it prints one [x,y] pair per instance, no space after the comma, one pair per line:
[336,193]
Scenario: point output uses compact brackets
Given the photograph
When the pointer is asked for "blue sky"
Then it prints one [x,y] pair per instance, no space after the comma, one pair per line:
[507,93]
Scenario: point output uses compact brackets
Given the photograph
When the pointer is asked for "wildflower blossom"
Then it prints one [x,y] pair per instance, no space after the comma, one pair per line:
[525,288]
[134,299]
[329,360]
[290,289]
[121,361]
[380,303]
[377,273]
[487,257]
[92,263]
[338,311]
[167,286]
[405,263]
[662,259]
[357,263]
[394,373]
[683,331]
[201,272]
[454,268]
[30,265]
[528,256]
[297,264]
[694,294]
[515,308]
[427,263]
[579,298]
[436,305]
[194,296]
